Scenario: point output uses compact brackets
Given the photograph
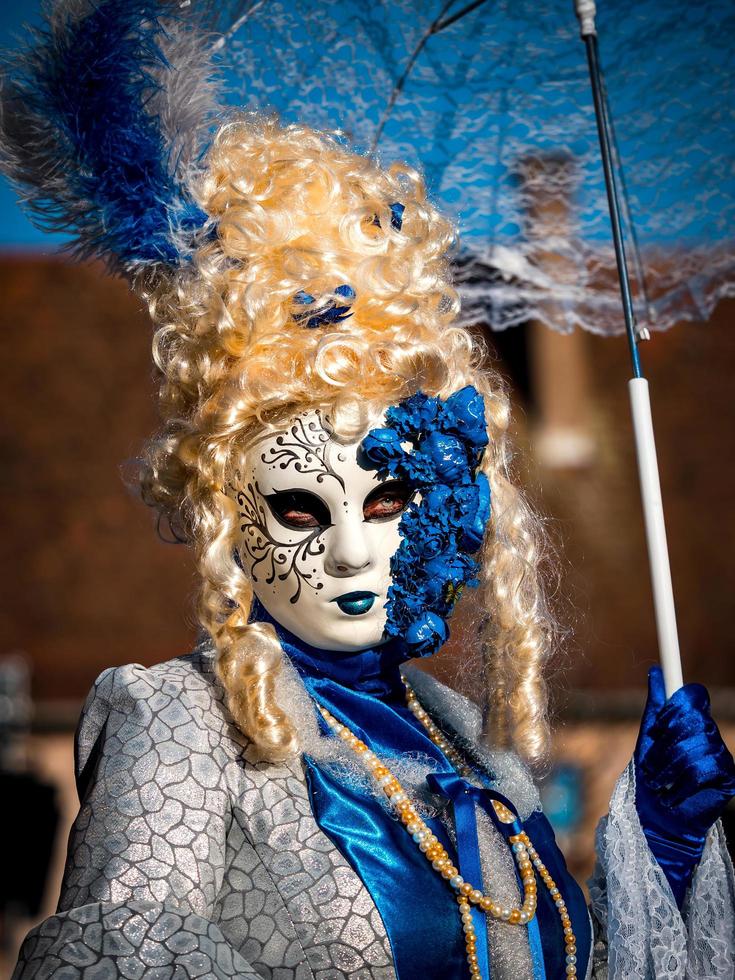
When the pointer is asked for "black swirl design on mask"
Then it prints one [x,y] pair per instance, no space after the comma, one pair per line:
[304,447]
[274,559]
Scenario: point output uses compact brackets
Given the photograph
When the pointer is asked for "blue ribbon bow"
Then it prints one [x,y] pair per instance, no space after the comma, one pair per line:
[464,797]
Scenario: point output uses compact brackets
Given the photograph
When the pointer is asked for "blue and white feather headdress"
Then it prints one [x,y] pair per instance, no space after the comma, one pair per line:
[105,116]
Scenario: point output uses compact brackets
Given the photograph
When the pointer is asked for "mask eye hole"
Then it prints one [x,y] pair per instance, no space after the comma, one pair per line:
[299,509]
[387,501]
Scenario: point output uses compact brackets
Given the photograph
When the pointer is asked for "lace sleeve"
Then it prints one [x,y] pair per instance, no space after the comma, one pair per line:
[642,933]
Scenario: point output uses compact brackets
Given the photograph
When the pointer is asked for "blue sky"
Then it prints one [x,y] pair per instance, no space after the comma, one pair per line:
[16,231]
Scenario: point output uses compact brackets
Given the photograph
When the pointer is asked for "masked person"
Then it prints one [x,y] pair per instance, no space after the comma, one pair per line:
[295,799]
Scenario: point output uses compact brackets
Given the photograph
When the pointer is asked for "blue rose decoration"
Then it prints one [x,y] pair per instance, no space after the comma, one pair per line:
[435,589]
[465,415]
[432,543]
[418,413]
[383,446]
[426,634]
[447,456]
[454,569]
[436,446]
[473,505]
[437,498]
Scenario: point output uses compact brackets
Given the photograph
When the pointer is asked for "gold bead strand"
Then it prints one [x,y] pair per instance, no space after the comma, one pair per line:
[470,938]
[431,847]
[434,733]
[526,856]
[570,941]
[529,859]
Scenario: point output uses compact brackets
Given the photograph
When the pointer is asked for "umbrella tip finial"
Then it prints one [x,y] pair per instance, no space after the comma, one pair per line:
[586,10]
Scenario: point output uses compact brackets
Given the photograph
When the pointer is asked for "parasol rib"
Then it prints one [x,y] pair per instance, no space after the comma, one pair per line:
[237,24]
[641,330]
[440,22]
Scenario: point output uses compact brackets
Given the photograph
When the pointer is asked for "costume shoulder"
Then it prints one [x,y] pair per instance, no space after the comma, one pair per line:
[158,763]
[162,713]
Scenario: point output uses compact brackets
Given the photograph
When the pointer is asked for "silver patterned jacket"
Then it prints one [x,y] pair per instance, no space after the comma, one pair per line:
[190,858]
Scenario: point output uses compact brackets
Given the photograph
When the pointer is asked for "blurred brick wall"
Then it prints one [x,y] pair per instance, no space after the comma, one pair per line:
[596,513]
[88,584]
[85,581]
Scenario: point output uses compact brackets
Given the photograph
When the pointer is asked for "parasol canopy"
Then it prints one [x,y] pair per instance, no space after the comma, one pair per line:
[494,106]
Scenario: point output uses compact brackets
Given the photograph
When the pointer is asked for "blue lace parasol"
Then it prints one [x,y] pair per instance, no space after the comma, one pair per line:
[496,109]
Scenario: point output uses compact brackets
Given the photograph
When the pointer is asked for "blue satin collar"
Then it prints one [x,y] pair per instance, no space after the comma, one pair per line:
[419,912]
[376,671]
[364,691]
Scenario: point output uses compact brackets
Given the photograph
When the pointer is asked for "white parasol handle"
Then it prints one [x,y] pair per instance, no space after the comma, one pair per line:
[658,554]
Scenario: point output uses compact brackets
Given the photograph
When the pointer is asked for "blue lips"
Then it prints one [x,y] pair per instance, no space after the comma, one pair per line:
[355,603]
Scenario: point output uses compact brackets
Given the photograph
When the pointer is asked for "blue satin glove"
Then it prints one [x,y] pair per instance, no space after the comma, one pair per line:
[685,777]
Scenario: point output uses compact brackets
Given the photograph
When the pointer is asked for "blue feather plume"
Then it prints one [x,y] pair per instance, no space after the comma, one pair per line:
[91,135]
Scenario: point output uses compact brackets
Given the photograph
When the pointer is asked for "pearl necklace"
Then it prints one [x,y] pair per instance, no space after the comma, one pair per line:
[526,856]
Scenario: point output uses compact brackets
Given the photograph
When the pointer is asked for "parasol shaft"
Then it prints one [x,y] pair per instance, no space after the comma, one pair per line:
[653,513]
[613,201]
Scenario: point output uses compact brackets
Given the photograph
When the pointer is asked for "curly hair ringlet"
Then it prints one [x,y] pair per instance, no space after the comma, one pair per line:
[295,210]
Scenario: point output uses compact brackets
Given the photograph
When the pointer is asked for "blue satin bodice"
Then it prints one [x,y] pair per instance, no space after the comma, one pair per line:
[364,691]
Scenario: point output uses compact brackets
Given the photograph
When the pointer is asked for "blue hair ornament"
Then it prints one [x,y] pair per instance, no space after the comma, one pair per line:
[330,314]
[435,446]
[396,216]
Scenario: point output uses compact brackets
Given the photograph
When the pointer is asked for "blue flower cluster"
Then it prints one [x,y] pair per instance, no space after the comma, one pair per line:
[441,530]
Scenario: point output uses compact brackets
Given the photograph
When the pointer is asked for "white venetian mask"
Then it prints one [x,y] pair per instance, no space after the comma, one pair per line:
[318,528]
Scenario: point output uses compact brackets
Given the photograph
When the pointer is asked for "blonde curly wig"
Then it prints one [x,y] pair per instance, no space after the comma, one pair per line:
[295,210]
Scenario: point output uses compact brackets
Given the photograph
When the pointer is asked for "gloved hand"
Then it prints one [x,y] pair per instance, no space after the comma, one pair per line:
[685,777]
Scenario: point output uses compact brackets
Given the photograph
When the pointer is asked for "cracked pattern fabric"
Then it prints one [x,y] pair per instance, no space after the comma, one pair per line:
[641,933]
[179,824]
[136,940]
[189,857]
